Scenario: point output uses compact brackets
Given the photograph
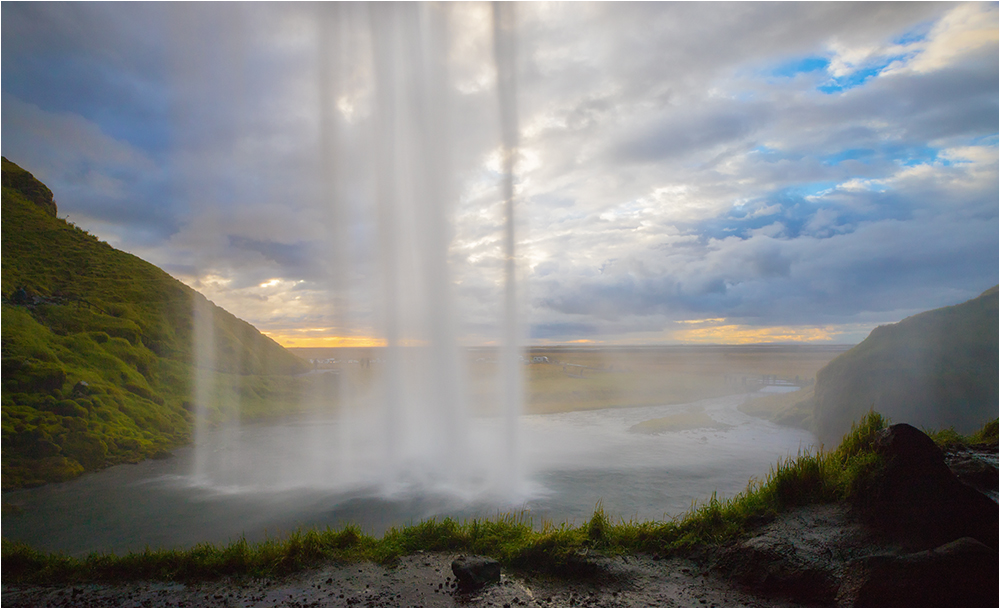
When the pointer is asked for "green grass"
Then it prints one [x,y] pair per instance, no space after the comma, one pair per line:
[946,438]
[125,328]
[512,538]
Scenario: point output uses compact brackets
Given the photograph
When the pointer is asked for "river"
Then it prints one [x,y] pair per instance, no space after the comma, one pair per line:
[572,462]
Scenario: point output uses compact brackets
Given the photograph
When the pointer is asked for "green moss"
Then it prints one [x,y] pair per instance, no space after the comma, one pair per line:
[75,309]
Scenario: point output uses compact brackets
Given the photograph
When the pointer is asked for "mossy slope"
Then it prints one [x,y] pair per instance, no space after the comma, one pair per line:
[937,369]
[76,309]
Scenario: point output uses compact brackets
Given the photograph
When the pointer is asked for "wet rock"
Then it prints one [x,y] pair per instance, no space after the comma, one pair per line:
[773,566]
[962,573]
[918,500]
[975,466]
[475,571]
[797,555]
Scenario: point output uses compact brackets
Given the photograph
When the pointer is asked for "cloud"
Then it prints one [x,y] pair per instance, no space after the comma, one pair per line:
[106,185]
[967,29]
[803,168]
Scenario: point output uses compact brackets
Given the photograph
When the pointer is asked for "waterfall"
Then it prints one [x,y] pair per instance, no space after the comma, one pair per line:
[406,424]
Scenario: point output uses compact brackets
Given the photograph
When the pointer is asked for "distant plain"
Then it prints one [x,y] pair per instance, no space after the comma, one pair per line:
[564,379]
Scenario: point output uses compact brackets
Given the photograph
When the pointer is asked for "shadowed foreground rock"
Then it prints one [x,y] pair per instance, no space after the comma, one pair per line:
[962,573]
[919,501]
[473,572]
[914,536]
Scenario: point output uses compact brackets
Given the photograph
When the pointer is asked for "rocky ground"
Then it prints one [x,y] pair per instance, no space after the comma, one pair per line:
[421,580]
[795,560]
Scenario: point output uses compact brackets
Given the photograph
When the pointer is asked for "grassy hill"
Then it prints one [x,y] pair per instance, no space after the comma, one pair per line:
[97,348]
[937,370]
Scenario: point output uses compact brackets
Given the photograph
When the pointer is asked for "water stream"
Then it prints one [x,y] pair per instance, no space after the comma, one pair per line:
[572,461]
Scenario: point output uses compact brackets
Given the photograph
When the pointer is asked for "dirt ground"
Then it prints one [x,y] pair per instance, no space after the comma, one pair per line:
[420,580]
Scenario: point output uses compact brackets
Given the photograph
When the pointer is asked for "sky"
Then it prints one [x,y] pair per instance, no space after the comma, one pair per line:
[685,173]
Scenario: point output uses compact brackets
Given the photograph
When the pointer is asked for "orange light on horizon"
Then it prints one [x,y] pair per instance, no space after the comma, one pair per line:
[735,334]
[301,341]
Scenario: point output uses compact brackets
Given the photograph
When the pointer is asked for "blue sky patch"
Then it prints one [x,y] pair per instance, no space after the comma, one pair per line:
[773,155]
[903,154]
[915,155]
[852,80]
[797,212]
[853,154]
[801,66]
[916,34]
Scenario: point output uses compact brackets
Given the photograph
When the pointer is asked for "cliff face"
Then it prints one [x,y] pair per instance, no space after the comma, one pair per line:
[97,347]
[937,369]
[20,180]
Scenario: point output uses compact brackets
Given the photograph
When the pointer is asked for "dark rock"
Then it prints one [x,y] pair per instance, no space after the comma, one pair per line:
[20,296]
[771,566]
[962,573]
[475,571]
[975,467]
[33,190]
[798,555]
[917,500]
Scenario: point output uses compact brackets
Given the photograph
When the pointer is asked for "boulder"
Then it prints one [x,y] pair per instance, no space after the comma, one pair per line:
[474,572]
[776,567]
[25,183]
[918,501]
[975,466]
[962,573]
[797,555]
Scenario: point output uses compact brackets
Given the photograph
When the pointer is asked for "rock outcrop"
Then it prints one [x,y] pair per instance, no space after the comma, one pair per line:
[473,572]
[22,181]
[962,573]
[917,499]
[914,535]
[937,369]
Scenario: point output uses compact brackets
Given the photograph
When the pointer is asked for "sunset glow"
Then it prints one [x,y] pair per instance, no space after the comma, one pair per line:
[734,334]
[292,339]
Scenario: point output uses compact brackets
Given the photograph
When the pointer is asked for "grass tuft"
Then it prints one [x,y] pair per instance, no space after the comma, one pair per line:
[947,438]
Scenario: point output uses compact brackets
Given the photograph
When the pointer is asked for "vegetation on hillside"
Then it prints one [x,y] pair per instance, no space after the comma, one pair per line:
[97,348]
[511,538]
[949,438]
[793,409]
[937,369]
